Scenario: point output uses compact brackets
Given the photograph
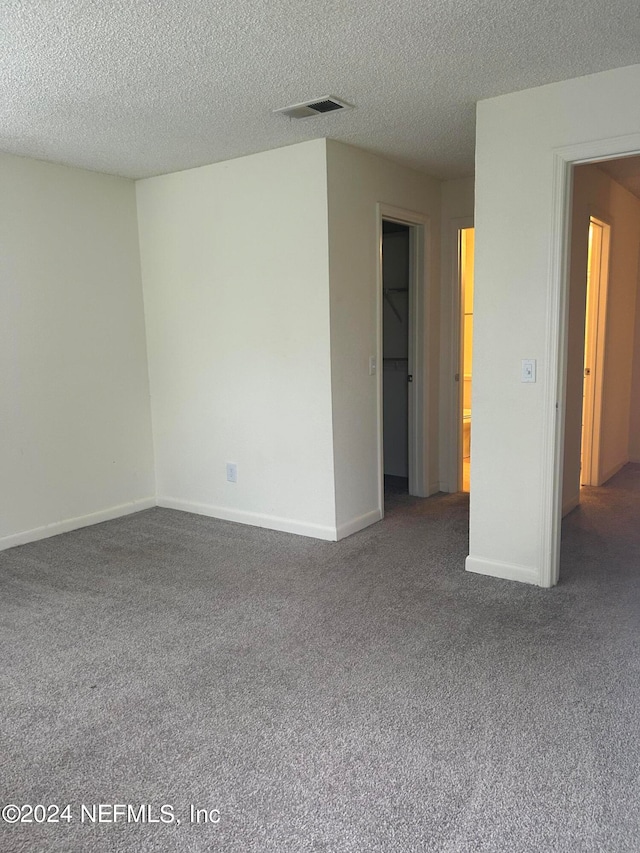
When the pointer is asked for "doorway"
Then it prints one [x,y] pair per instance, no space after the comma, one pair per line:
[600,339]
[396,374]
[594,350]
[466,245]
[404,416]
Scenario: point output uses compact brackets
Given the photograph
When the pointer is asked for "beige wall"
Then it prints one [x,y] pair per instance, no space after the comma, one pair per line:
[74,395]
[357,181]
[236,290]
[260,279]
[596,194]
[244,366]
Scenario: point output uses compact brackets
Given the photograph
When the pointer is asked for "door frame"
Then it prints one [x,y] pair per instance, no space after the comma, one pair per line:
[595,340]
[420,438]
[556,339]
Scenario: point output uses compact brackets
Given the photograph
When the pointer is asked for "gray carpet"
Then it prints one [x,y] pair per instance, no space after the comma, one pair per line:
[361,696]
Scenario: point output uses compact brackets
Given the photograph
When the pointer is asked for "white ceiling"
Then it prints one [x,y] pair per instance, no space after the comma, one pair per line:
[143,87]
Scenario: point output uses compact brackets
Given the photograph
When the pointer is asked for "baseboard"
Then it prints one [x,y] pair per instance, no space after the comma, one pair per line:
[255,519]
[635,460]
[507,571]
[446,488]
[358,523]
[432,489]
[570,505]
[69,524]
[612,472]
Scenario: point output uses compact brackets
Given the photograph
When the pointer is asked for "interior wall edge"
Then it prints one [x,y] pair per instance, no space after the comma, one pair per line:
[570,504]
[255,519]
[69,524]
[433,488]
[359,523]
[506,571]
[611,472]
[238,335]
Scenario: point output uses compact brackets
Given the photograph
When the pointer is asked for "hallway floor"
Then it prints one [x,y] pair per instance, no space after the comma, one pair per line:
[601,537]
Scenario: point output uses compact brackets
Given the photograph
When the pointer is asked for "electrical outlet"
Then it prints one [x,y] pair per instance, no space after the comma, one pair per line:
[232,472]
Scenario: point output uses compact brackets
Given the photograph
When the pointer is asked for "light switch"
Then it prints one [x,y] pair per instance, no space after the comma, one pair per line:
[528,370]
[372,365]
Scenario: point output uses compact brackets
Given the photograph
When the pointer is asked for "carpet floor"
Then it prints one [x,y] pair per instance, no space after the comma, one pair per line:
[366,695]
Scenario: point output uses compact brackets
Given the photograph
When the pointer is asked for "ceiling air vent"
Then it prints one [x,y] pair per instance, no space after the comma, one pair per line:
[318,107]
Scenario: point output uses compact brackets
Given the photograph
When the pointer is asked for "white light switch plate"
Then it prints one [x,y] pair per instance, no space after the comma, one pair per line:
[528,370]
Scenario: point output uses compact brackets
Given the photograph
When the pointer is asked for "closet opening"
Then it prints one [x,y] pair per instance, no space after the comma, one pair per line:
[397,374]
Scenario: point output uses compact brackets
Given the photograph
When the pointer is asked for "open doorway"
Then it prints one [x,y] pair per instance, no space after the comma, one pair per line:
[602,381]
[396,376]
[406,455]
[594,350]
[466,245]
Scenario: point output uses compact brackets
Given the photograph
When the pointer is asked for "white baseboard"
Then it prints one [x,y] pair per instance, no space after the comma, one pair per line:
[69,524]
[359,523]
[448,489]
[272,522]
[507,571]
[570,505]
[432,489]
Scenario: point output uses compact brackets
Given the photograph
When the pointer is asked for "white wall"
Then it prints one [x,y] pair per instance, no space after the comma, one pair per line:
[357,181]
[596,194]
[517,135]
[457,212]
[236,290]
[76,433]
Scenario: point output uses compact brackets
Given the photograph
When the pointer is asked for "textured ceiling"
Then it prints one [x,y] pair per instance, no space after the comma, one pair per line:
[142,87]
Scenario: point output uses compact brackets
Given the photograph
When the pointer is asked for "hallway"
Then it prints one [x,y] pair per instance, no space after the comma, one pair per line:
[601,537]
